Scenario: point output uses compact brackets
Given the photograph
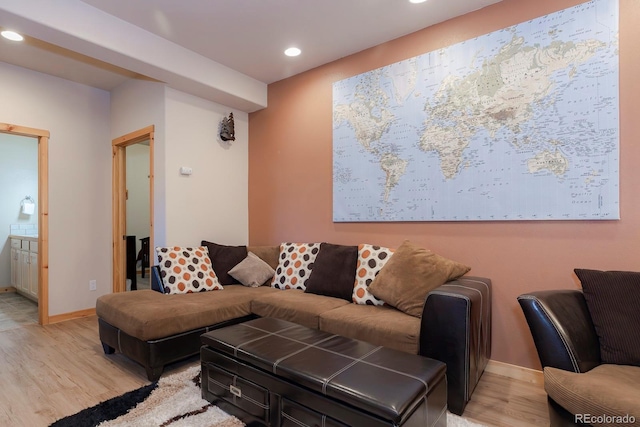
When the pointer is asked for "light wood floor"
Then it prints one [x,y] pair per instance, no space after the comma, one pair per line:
[50,372]
[16,310]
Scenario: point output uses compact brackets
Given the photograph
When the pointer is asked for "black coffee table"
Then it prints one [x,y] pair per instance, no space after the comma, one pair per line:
[270,372]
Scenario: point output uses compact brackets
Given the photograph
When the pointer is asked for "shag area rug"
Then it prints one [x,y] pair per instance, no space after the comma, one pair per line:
[173,401]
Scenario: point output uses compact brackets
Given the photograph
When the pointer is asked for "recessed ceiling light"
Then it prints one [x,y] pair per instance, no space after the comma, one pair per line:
[417,1]
[12,35]
[292,51]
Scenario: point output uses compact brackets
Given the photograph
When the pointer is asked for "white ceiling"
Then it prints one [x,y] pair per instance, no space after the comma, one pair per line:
[248,36]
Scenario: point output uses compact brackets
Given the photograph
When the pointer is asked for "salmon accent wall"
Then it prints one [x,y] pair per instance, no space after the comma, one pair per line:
[290,180]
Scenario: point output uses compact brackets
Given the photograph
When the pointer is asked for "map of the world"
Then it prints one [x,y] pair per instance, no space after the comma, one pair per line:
[518,124]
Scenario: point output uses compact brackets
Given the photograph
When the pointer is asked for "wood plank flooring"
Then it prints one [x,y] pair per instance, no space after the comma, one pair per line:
[50,372]
[16,310]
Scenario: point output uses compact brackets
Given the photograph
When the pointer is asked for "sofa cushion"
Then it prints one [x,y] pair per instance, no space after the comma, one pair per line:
[148,315]
[384,326]
[334,271]
[269,254]
[610,390]
[295,306]
[224,258]
[410,275]
[613,300]
[371,259]
[252,271]
[186,270]
[294,265]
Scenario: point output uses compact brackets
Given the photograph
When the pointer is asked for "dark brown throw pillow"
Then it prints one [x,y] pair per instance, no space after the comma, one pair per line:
[613,300]
[334,271]
[224,258]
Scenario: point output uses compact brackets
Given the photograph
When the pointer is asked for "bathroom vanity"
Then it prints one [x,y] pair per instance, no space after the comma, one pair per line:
[24,265]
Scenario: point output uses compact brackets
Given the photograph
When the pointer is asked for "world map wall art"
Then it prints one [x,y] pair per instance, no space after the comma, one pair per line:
[518,124]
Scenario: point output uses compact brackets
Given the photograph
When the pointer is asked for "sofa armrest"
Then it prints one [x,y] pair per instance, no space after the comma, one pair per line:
[562,329]
[156,279]
[456,329]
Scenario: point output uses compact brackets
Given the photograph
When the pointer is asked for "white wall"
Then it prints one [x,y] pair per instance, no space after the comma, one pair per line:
[138,203]
[212,203]
[18,179]
[137,104]
[77,117]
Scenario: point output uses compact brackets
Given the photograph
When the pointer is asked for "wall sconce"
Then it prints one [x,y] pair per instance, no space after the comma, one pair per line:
[227,132]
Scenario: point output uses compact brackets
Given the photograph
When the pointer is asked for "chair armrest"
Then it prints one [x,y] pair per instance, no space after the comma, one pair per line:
[156,279]
[456,329]
[562,329]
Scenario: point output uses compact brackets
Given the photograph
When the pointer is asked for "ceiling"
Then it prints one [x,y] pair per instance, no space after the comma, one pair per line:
[248,36]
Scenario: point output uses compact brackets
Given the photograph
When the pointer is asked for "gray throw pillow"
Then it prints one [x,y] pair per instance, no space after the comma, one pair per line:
[252,271]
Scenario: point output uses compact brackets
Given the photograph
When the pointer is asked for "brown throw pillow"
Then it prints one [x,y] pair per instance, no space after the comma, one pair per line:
[613,300]
[224,258]
[410,274]
[269,254]
[334,271]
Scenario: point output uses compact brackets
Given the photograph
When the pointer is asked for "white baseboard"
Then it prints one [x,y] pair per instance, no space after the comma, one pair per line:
[515,372]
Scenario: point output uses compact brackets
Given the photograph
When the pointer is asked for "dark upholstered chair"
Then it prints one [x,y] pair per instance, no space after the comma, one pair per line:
[569,351]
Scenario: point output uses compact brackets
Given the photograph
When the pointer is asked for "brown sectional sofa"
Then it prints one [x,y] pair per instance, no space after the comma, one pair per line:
[156,329]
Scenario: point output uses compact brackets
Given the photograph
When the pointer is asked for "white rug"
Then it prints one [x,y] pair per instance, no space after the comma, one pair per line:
[456,421]
[177,402]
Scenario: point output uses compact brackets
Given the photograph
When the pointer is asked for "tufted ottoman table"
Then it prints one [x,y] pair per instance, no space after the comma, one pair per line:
[270,372]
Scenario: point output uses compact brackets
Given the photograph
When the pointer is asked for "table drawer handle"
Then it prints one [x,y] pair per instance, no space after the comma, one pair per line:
[235,391]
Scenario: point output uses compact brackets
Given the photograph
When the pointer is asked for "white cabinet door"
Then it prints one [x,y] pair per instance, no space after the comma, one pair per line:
[15,268]
[33,275]
[24,271]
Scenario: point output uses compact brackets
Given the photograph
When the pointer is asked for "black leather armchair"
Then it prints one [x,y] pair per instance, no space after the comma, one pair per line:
[564,336]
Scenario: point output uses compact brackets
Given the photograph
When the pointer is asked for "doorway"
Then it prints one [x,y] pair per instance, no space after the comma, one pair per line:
[42,256]
[138,216]
[119,190]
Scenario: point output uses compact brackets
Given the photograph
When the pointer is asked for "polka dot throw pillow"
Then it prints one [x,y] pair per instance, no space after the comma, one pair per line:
[294,265]
[371,259]
[186,270]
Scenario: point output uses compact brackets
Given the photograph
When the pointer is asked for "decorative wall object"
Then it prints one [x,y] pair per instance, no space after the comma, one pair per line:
[227,131]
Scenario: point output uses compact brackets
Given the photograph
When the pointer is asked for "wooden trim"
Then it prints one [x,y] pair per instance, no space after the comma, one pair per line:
[43,212]
[119,219]
[22,130]
[7,289]
[119,201]
[516,372]
[43,230]
[151,187]
[73,315]
[133,137]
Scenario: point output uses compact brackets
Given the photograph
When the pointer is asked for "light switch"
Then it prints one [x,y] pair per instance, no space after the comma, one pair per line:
[185,170]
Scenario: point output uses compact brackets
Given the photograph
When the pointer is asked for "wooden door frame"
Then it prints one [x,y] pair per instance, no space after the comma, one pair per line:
[43,212]
[119,200]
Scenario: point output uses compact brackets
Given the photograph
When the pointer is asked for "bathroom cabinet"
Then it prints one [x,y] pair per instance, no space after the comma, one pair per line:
[24,266]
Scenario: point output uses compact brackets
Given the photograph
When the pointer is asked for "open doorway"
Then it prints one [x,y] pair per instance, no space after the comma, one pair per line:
[138,213]
[32,257]
[132,234]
